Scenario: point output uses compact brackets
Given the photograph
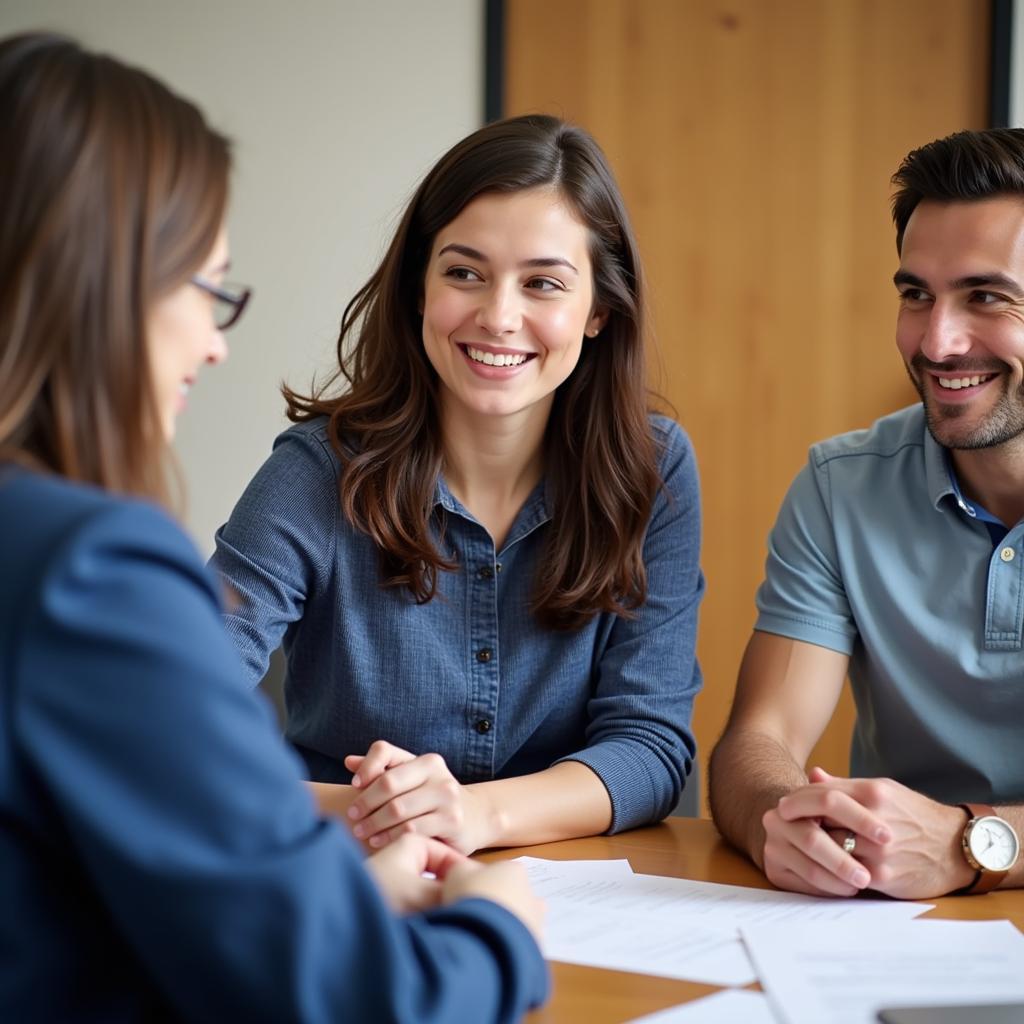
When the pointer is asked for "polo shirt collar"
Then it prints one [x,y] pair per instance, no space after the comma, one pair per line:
[939,472]
[942,483]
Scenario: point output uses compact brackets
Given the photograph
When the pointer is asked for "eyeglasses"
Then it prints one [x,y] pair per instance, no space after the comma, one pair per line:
[229,301]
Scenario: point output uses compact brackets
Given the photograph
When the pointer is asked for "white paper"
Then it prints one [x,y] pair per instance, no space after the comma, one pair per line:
[684,949]
[712,904]
[671,927]
[543,872]
[844,975]
[734,1006]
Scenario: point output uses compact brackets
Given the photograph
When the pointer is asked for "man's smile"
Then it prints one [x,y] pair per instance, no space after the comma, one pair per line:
[956,383]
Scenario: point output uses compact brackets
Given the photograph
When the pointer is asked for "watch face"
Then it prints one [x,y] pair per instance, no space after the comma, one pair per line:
[993,844]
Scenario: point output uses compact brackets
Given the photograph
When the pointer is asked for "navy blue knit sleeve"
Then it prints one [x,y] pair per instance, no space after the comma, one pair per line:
[186,818]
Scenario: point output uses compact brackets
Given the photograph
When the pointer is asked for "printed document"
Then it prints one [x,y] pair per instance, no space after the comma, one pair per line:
[844,974]
[605,916]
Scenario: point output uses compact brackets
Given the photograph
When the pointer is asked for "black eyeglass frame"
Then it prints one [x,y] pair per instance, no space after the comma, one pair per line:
[237,300]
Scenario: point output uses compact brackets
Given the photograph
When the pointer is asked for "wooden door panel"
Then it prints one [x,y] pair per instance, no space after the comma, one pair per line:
[754,141]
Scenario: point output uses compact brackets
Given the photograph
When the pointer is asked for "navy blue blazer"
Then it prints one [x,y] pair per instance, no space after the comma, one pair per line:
[160,857]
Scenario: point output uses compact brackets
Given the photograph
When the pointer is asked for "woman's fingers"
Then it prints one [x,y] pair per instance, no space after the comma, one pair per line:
[418,794]
[369,767]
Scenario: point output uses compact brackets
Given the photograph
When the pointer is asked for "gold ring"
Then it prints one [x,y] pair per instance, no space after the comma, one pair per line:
[850,843]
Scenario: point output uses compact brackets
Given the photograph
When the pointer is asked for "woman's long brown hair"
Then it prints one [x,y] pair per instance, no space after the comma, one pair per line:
[601,458]
[113,190]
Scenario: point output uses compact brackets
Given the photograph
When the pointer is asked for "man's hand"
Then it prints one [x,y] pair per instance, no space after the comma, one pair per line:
[906,845]
[923,858]
[400,793]
[799,853]
[399,870]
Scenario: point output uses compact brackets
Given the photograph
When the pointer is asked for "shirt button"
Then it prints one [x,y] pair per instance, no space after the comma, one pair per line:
[1007,554]
[483,725]
[484,654]
[485,573]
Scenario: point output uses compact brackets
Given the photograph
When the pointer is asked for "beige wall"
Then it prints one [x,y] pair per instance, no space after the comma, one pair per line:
[336,109]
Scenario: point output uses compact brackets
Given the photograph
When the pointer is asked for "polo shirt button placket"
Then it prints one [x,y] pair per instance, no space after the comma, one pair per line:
[1004,613]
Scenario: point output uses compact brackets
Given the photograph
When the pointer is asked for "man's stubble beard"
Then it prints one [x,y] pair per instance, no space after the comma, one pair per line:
[1004,423]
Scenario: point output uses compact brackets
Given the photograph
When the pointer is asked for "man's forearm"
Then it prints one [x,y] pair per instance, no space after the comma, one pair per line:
[749,773]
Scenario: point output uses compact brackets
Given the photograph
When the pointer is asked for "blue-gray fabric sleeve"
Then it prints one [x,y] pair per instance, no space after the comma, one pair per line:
[802,596]
[278,545]
[189,818]
[639,740]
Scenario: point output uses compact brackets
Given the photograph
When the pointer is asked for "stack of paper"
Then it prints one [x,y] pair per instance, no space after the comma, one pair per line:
[820,961]
[600,914]
[819,975]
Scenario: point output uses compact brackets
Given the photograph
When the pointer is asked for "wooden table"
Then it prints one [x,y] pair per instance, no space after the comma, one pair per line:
[682,848]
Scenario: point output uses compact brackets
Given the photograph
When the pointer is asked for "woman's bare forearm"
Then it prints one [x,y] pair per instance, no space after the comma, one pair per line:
[564,801]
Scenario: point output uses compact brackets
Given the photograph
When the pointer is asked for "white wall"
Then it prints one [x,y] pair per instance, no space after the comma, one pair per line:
[336,109]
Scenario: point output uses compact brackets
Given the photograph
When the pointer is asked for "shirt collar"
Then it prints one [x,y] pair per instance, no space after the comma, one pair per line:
[533,513]
[939,473]
[444,497]
[942,483]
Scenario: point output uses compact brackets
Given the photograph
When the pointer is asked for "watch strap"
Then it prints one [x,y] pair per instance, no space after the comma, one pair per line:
[984,881]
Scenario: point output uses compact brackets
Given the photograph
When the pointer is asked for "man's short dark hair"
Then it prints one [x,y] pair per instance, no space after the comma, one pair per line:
[961,167]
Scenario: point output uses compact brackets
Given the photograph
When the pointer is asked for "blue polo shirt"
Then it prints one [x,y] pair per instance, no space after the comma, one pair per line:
[875,554]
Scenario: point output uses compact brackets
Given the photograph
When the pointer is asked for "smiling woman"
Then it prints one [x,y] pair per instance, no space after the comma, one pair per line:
[478,545]
[503,326]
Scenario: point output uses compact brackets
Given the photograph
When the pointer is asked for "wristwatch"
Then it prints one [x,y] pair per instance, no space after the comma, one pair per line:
[990,845]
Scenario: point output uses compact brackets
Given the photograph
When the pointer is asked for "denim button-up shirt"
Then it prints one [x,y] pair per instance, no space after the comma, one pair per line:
[469,675]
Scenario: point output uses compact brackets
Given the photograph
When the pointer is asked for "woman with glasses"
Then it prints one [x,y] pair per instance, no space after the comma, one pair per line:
[229,301]
[478,546]
[160,857]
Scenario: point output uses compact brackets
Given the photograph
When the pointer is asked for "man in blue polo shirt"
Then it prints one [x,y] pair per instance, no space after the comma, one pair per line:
[898,559]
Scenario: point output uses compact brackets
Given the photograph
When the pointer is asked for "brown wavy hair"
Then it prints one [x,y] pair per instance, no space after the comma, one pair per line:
[113,190]
[600,458]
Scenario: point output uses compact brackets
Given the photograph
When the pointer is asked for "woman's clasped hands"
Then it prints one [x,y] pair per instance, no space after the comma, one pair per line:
[401,792]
